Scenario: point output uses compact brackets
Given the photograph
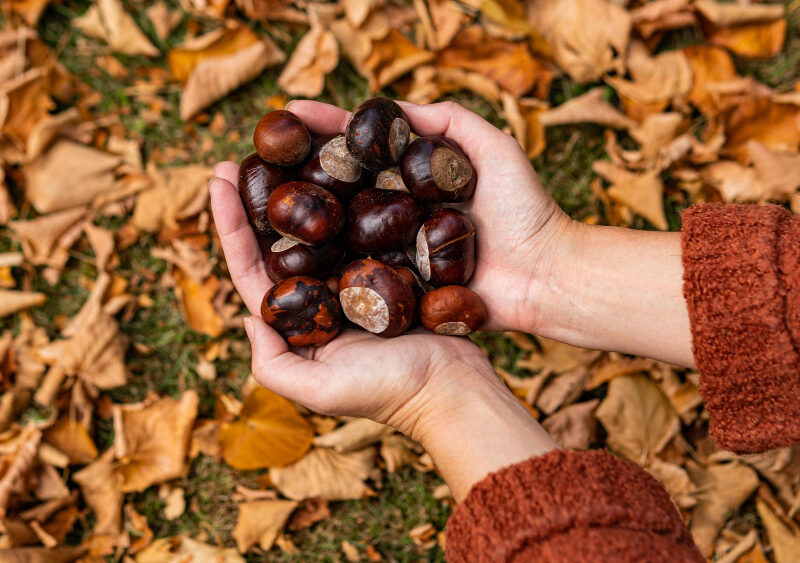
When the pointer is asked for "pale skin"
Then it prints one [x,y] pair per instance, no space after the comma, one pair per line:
[538,271]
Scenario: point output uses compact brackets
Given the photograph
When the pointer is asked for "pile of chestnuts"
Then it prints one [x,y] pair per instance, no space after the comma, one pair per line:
[354,223]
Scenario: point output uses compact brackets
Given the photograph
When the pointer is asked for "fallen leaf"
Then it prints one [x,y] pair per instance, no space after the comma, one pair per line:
[309,513]
[784,536]
[261,522]
[269,433]
[14,301]
[725,487]
[71,438]
[151,440]
[734,181]
[638,417]
[616,367]
[447,18]
[182,549]
[573,427]
[102,242]
[663,77]
[357,11]
[727,14]
[205,440]
[101,486]
[163,19]
[137,525]
[108,21]
[509,64]
[315,56]
[777,173]
[754,40]
[662,15]
[354,435]
[643,193]
[587,38]
[351,552]
[325,474]
[47,129]
[557,357]
[709,65]
[397,451]
[780,467]
[174,503]
[392,57]
[177,193]
[675,480]
[29,10]
[587,108]
[27,101]
[563,388]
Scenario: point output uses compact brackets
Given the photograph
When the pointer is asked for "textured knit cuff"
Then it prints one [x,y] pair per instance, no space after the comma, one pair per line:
[568,506]
[741,284]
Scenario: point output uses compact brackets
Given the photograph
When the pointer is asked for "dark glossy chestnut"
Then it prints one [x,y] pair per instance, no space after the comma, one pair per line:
[377,133]
[375,297]
[303,311]
[446,248]
[332,283]
[390,179]
[394,258]
[281,138]
[257,180]
[452,310]
[436,170]
[379,220]
[287,258]
[305,212]
[330,165]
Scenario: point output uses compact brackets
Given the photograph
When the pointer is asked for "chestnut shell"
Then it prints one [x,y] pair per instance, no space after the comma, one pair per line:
[257,180]
[377,133]
[331,166]
[303,311]
[452,310]
[376,298]
[303,260]
[379,220]
[282,138]
[305,212]
[436,170]
[446,248]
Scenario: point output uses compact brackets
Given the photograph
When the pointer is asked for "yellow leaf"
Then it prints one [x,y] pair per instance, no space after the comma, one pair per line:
[755,40]
[72,438]
[758,118]
[643,193]
[392,57]
[785,538]
[709,65]
[27,101]
[29,10]
[315,56]
[325,474]
[269,433]
[101,488]
[261,522]
[197,304]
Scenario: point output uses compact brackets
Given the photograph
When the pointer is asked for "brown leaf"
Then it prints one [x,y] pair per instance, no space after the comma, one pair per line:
[587,108]
[509,64]
[638,417]
[137,525]
[397,451]
[29,10]
[726,14]
[205,440]
[47,129]
[775,125]
[557,357]
[709,65]
[662,15]
[392,57]
[63,554]
[777,173]
[102,242]
[734,181]
[784,535]
[174,503]
[725,487]
[587,38]
[72,438]
[561,389]
[182,549]
[151,440]
[354,435]
[654,79]
[177,193]
[269,433]
[163,19]
[27,101]
[309,513]
[447,19]
[315,56]
[754,40]
[261,522]
[643,193]
[101,487]
[108,21]
[13,301]
[325,474]
[573,427]
[357,11]
[675,480]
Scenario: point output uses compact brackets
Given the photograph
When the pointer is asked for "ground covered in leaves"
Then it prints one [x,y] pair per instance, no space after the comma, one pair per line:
[129,427]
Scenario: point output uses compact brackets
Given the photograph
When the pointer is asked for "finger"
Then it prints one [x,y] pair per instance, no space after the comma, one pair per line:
[227,170]
[239,243]
[323,119]
[277,368]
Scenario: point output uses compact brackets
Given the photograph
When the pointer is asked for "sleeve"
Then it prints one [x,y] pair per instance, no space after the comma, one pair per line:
[742,287]
[569,506]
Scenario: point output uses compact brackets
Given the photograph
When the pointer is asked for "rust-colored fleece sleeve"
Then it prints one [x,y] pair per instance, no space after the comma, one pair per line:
[742,286]
[569,506]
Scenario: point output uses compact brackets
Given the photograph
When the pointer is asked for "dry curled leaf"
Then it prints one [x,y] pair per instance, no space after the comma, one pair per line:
[177,193]
[784,535]
[13,301]
[108,21]
[260,522]
[101,487]
[587,108]
[392,57]
[653,79]
[675,480]
[573,427]
[710,65]
[269,433]
[182,549]
[325,474]
[642,193]
[315,56]
[72,438]
[354,435]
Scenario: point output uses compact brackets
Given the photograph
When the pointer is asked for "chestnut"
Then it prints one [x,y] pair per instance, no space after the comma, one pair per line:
[453,310]
[257,179]
[332,283]
[377,133]
[303,311]
[376,298]
[281,138]
[393,258]
[446,248]
[390,179]
[436,170]
[379,220]
[305,212]
[330,165]
[287,258]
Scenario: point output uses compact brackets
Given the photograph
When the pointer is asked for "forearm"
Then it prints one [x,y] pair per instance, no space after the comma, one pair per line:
[474,426]
[616,289]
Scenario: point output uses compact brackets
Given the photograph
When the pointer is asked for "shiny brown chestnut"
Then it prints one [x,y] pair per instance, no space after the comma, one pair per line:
[394,258]
[330,165]
[281,138]
[377,133]
[446,248]
[436,170]
[453,310]
[375,297]
[257,180]
[305,212]
[379,220]
[303,311]
[332,283]
[287,258]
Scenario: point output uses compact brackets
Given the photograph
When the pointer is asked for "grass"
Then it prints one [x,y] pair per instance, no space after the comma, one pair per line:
[405,498]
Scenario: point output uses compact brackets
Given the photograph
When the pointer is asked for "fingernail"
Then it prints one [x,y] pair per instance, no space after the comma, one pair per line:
[209,182]
[290,102]
[248,328]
